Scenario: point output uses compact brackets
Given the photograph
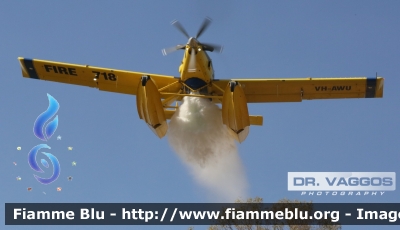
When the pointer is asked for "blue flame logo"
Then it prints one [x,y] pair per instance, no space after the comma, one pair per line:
[44,133]
[32,162]
[41,131]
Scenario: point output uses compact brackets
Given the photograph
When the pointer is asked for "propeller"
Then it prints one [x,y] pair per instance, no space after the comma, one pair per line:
[207,21]
[169,50]
[212,47]
[178,25]
[193,42]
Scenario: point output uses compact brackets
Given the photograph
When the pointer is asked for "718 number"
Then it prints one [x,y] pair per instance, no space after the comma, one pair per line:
[107,76]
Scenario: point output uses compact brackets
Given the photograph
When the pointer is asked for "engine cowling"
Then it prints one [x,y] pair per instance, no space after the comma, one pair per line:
[149,106]
[235,114]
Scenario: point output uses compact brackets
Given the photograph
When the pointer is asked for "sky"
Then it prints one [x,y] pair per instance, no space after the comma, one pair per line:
[120,160]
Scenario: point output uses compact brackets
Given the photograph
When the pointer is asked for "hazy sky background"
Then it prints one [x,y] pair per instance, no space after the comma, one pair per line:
[120,160]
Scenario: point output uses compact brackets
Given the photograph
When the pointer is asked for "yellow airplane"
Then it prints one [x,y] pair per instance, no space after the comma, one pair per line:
[155,94]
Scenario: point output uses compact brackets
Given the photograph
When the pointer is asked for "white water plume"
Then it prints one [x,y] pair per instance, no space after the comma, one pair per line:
[200,139]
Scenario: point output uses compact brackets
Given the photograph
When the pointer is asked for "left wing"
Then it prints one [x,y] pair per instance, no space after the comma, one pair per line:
[298,89]
[112,80]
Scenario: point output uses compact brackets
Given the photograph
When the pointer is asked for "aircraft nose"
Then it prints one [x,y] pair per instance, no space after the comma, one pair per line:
[192,42]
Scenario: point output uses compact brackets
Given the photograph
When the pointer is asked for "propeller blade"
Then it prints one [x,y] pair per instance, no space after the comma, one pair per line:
[192,61]
[178,25]
[169,50]
[212,47]
[204,26]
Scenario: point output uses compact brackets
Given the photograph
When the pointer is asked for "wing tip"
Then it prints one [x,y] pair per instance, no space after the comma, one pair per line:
[27,67]
[23,68]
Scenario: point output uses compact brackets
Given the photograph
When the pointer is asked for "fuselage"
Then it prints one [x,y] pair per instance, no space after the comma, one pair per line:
[196,69]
